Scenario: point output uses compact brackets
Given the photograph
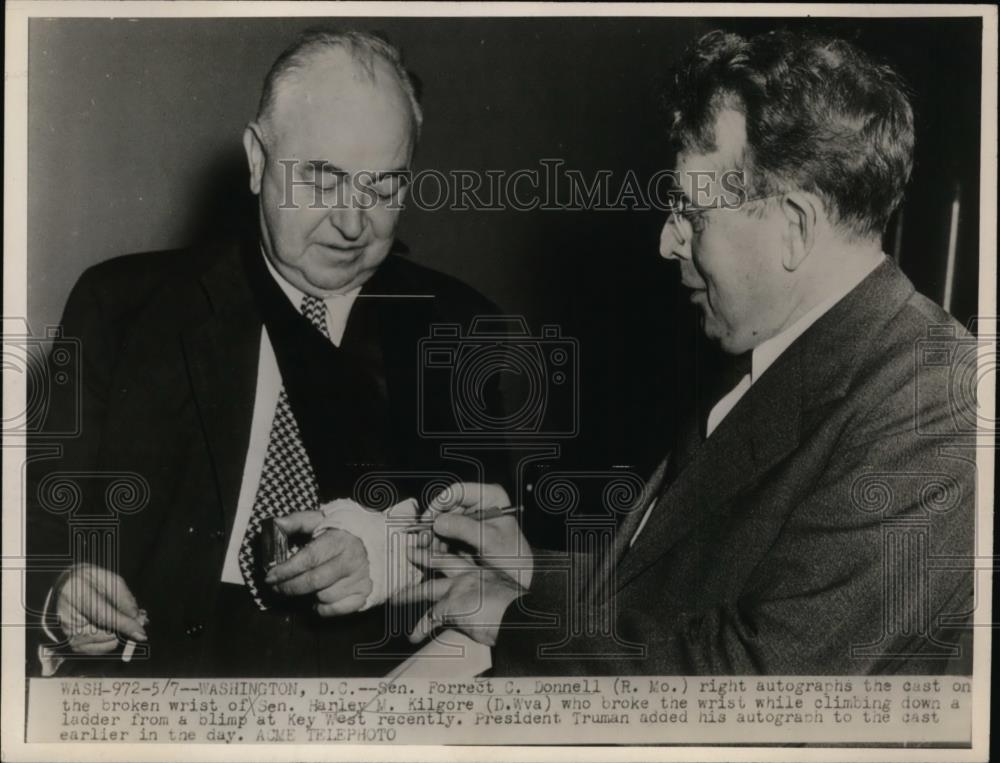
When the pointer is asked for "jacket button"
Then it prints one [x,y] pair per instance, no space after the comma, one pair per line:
[218,535]
[195,630]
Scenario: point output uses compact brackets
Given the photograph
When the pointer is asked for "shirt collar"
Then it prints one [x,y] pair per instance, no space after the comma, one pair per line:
[769,351]
[293,293]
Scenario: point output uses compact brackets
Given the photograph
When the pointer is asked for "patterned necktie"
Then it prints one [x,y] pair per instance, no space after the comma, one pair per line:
[287,482]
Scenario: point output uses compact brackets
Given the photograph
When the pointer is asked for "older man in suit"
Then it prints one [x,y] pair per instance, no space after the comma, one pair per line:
[795,525]
[246,380]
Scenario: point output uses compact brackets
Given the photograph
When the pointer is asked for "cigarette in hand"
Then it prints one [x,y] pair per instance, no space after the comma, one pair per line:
[129,649]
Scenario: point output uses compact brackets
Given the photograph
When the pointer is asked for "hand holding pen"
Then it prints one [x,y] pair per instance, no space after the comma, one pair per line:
[481,518]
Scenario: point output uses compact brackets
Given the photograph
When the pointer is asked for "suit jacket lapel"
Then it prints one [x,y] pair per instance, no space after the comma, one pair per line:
[757,433]
[608,567]
[222,353]
[766,425]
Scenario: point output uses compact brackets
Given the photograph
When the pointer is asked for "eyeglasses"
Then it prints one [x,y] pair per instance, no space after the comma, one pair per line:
[685,218]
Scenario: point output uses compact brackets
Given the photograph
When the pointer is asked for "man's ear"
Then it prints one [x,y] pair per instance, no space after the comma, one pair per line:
[253,144]
[801,211]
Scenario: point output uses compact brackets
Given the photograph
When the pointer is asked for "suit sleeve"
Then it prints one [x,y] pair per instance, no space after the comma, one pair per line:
[825,598]
[72,388]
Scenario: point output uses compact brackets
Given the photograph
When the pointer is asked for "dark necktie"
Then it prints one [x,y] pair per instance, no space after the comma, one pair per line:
[691,438]
[287,482]
[723,381]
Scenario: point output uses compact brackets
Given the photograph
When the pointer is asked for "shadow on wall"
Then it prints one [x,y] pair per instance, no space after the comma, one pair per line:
[223,205]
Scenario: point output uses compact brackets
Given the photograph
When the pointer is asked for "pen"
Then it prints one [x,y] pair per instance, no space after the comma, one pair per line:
[479,514]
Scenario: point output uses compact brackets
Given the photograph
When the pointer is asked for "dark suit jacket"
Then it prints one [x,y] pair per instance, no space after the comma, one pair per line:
[168,348]
[825,527]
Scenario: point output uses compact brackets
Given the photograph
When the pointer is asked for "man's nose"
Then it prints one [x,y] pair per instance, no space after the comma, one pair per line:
[349,220]
[672,246]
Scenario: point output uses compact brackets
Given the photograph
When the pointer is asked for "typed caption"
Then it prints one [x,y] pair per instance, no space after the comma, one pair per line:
[638,710]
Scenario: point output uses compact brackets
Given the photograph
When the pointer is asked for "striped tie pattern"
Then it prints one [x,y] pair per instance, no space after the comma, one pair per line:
[287,482]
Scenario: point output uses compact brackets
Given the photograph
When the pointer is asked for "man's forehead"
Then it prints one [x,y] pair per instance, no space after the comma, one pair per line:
[336,93]
[334,112]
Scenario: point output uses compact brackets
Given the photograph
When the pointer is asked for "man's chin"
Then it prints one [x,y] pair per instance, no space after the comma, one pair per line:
[709,328]
[330,277]
[324,284]
[338,273]
[727,342]
[732,345]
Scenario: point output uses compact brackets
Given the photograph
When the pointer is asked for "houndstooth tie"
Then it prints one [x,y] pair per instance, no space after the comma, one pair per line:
[287,482]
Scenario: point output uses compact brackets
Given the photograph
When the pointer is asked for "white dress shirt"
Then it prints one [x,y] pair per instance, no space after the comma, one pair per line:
[338,308]
[763,357]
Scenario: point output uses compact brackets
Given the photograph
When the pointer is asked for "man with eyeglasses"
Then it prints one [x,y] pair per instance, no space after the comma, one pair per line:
[794,526]
[251,381]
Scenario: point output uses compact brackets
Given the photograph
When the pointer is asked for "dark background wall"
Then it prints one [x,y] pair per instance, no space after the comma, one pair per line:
[134,144]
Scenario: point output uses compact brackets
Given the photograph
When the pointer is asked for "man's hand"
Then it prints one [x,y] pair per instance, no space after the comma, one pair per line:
[333,565]
[466,496]
[473,601]
[496,543]
[471,597]
[94,606]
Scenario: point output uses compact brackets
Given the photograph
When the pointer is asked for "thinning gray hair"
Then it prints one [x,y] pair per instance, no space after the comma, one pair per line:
[364,48]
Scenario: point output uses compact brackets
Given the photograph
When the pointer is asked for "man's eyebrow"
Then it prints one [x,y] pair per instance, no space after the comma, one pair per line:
[322,165]
[383,174]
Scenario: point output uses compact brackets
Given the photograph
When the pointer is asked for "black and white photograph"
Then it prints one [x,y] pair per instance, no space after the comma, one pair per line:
[588,377]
